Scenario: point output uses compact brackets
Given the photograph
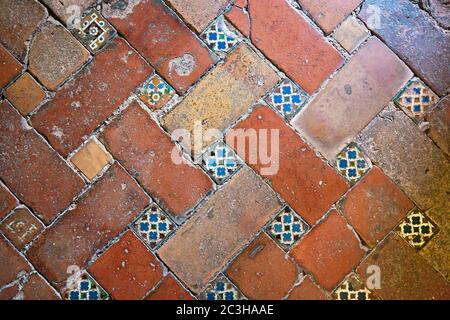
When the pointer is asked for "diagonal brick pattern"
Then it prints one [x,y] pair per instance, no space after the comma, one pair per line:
[227,149]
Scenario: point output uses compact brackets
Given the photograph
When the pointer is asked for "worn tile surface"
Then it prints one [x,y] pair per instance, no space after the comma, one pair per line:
[25,94]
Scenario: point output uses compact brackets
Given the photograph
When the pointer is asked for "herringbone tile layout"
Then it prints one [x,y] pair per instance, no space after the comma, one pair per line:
[247,149]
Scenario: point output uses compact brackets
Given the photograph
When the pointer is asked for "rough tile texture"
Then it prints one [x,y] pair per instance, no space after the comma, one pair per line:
[404,274]
[68,10]
[329,251]
[18,21]
[307,183]
[32,170]
[422,44]
[84,103]
[439,122]
[352,98]
[239,17]
[263,271]
[128,270]
[21,227]
[88,226]
[199,13]
[246,78]
[219,228]
[307,290]
[163,39]
[148,157]
[55,54]
[169,289]
[33,287]
[7,201]
[25,94]
[375,206]
[301,52]
[436,250]
[17,265]
[328,14]
[91,159]
[10,68]
[351,33]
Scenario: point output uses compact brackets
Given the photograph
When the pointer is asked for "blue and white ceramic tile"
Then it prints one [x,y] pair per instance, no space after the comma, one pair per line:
[221,289]
[287,99]
[352,163]
[154,226]
[416,99]
[84,287]
[219,37]
[221,162]
[287,228]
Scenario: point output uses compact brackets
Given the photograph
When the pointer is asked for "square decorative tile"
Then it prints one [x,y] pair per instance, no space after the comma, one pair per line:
[352,163]
[287,228]
[221,289]
[417,229]
[352,289]
[219,37]
[84,287]
[94,31]
[220,161]
[91,159]
[416,99]
[155,93]
[154,226]
[287,99]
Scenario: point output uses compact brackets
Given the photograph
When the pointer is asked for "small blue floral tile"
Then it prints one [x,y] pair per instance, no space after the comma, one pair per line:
[416,99]
[287,99]
[154,226]
[287,228]
[155,93]
[219,37]
[84,287]
[417,229]
[221,289]
[352,163]
[221,162]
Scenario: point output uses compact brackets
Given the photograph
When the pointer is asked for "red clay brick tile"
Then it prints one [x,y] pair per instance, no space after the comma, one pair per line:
[263,271]
[162,38]
[199,13]
[328,14]
[375,206]
[426,50]
[219,228]
[55,54]
[10,68]
[9,293]
[329,251]
[33,171]
[25,94]
[32,287]
[21,227]
[169,289]
[439,122]
[7,200]
[307,290]
[105,210]
[308,184]
[84,103]
[352,98]
[287,39]
[177,187]
[17,265]
[63,10]
[18,21]
[128,270]
[405,275]
[239,17]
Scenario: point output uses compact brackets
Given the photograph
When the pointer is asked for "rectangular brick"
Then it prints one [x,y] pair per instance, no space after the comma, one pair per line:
[84,103]
[328,14]
[219,228]
[308,184]
[104,211]
[10,68]
[413,35]
[148,157]
[32,287]
[404,274]
[291,43]
[162,38]
[16,264]
[413,162]
[439,121]
[199,13]
[128,270]
[169,289]
[307,290]
[246,78]
[31,169]
[352,98]
[7,201]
